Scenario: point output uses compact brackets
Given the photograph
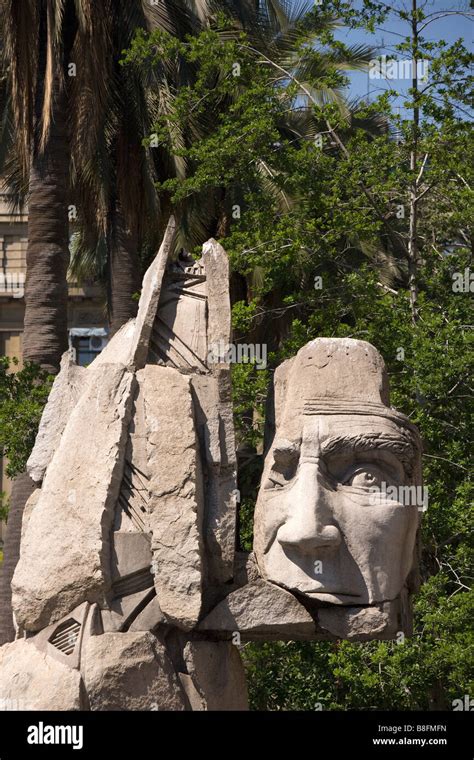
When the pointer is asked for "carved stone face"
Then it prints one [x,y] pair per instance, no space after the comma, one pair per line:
[324,525]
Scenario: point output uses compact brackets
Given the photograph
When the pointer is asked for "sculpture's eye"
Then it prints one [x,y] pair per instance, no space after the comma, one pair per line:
[365,476]
[285,463]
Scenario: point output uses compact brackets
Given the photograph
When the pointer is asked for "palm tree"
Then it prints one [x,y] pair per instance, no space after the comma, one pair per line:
[59,67]
[34,63]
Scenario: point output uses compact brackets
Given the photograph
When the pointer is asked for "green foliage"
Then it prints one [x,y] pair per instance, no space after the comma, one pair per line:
[249,392]
[23,395]
[430,366]
[227,102]
[343,227]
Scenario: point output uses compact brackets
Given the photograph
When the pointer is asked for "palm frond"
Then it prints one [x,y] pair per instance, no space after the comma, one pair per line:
[20,24]
[270,185]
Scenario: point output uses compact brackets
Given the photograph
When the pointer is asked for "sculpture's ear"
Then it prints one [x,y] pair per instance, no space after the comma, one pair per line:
[275,402]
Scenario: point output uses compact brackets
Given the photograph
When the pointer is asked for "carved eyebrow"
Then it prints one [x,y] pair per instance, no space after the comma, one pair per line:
[398,445]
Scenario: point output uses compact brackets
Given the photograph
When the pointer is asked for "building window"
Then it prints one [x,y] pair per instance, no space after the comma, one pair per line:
[85,344]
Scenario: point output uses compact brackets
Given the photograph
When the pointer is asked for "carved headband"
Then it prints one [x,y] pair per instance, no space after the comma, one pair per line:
[356,406]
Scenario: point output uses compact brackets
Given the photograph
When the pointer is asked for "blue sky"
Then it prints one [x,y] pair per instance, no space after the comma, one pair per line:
[448,28]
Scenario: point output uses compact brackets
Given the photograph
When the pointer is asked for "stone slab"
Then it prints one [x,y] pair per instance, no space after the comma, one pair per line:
[176,494]
[130,671]
[65,554]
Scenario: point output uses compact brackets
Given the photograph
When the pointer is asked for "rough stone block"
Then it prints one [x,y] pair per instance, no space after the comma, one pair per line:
[130,671]
[176,493]
[65,554]
[32,680]
[67,388]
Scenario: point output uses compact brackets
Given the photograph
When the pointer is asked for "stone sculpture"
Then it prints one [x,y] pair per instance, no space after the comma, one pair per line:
[337,449]
[129,592]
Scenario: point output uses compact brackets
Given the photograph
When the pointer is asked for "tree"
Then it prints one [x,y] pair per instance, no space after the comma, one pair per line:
[226,71]
[65,96]
[35,61]
[428,363]
[449,77]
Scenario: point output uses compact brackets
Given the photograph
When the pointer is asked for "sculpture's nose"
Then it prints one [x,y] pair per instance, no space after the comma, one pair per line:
[310,524]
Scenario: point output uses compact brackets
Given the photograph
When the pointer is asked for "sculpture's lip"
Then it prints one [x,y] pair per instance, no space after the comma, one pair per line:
[321,590]
[330,592]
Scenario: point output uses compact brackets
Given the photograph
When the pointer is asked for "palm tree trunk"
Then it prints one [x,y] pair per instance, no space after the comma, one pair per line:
[124,272]
[22,488]
[45,335]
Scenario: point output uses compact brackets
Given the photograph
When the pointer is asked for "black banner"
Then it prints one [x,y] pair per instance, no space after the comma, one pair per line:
[126,734]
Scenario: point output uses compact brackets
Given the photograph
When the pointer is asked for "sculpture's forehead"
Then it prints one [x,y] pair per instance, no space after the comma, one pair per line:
[321,428]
